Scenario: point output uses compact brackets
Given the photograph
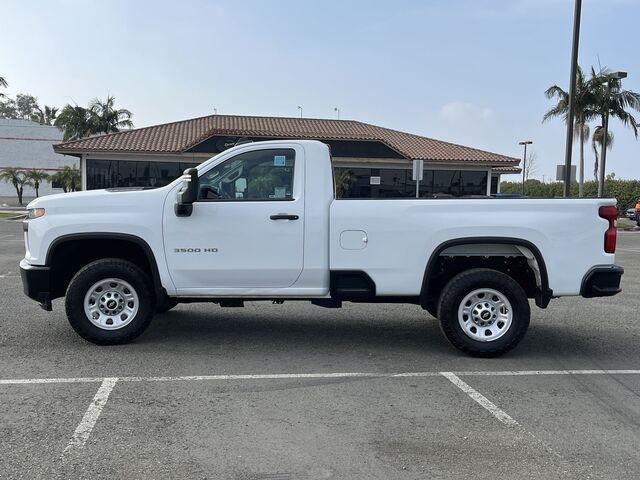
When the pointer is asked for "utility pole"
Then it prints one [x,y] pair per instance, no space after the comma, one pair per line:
[524,162]
[572,94]
[337,110]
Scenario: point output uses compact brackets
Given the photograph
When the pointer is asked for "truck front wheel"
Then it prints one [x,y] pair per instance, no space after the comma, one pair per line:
[483,312]
[109,301]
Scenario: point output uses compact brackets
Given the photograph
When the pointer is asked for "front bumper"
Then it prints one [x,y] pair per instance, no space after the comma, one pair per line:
[36,283]
[602,281]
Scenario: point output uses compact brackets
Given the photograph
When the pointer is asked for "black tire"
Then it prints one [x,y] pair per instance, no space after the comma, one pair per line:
[464,284]
[102,270]
[165,304]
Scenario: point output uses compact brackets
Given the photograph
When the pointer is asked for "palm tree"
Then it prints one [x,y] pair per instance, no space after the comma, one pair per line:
[46,116]
[74,120]
[69,178]
[3,83]
[18,178]
[36,177]
[585,104]
[105,118]
[343,178]
[597,142]
[611,100]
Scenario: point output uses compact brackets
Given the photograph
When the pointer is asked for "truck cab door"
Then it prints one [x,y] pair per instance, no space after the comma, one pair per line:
[246,230]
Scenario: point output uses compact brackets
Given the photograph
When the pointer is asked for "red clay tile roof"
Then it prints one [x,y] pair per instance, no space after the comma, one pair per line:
[178,137]
[507,170]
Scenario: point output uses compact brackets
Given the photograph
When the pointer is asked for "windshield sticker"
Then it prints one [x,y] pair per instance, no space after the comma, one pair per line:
[280,192]
[279,160]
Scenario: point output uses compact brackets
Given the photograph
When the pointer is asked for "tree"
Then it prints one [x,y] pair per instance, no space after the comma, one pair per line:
[8,108]
[585,110]
[612,100]
[105,118]
[17,178]
[3,83]
[46,116]
[69,178]
[74,120]
[532,166]
[36,177]
[26,105]
[597,142]
[343,178]
[100,117]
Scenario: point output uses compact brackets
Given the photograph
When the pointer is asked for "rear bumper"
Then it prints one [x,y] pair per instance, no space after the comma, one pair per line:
[36,283]
[602,281]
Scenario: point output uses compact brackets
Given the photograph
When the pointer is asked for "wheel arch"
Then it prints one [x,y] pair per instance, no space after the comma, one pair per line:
[114,240]
[542,297]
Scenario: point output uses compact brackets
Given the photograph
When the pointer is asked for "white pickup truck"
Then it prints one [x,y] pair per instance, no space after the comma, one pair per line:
[260,222]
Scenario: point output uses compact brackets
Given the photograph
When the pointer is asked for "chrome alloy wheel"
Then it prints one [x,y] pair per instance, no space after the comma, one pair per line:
[111,304]
[485,315]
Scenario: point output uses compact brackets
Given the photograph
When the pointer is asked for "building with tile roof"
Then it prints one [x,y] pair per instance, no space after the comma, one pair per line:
[378,157]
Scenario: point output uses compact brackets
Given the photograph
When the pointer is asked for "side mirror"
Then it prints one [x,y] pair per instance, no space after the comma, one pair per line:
[188,193]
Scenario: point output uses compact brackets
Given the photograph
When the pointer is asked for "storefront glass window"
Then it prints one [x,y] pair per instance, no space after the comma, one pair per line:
[129,173]
[398,183]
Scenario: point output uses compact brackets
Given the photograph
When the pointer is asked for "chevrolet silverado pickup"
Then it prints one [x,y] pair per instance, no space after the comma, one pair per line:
[260,221]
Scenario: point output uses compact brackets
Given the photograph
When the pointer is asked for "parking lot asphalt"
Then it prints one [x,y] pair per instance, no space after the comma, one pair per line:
[295,391]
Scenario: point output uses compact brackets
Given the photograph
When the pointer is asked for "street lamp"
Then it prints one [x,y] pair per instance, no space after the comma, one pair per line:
[300,108]
[337,110]
[605,127]
[524,161]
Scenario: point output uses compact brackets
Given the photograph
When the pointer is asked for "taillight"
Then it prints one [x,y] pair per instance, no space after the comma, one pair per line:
[610,213]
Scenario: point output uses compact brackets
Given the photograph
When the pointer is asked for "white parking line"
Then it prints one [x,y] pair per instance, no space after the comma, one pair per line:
[480,399]
[631,250]
[513,373]
[268,376]
[29,381]
[83,430]
[278,376]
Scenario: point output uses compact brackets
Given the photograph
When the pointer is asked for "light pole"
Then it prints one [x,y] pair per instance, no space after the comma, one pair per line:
[524,161]
[337,110]
[300,108]
[605,127]
[572,94]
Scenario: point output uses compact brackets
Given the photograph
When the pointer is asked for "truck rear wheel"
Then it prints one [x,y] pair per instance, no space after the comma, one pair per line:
[483,312]
[109,301]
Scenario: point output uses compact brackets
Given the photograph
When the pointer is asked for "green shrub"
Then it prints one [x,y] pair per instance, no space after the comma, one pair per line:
[627,192]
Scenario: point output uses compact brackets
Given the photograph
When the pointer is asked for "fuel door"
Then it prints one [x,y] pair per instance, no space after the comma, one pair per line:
[353,239]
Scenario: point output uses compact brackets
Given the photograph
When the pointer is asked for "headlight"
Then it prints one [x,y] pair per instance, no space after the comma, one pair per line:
[35,213]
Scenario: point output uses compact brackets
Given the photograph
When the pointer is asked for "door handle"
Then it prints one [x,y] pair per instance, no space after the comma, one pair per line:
[283,216]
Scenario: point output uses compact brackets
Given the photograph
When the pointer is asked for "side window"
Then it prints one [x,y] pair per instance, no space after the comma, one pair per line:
[256,175]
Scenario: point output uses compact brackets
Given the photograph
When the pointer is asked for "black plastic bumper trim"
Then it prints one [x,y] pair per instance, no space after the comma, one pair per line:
[36,283]
[602,281]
